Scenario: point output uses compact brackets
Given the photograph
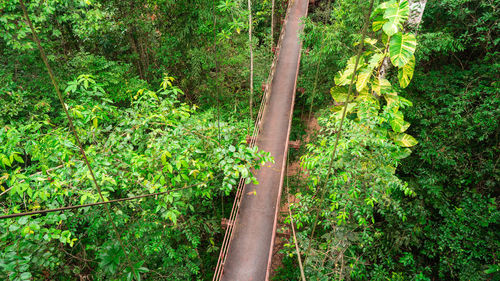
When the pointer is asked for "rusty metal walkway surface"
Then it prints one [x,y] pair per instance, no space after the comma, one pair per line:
[250,248]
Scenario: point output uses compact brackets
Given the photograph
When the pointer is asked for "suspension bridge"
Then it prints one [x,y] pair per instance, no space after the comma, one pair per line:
[247,249]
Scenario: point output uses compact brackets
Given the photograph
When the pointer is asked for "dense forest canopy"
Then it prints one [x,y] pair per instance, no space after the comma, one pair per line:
[159,95]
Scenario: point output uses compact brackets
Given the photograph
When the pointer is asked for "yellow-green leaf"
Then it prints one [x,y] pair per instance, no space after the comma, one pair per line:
[401,48]
[398,123]
[378,15]
[378,23]
[340,109]
[18,158]
[342,77]
[371,41]
[396,14]
[375,61]
[404,140]
[381,86]
[363,79]
[405,74]
[339,94]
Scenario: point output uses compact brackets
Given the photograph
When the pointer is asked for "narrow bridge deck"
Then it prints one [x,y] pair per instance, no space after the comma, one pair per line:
[251,246]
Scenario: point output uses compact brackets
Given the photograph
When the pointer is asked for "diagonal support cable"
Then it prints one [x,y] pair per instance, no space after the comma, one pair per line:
[72,127]
[91,204]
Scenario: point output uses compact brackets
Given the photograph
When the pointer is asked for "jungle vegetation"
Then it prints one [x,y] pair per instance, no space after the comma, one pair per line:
[158,92]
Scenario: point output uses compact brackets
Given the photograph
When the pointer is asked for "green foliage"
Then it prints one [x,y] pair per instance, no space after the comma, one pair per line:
[364,185]
[455,169]
[106,55]
[437,217]
[156,144]
[400,48]
[328,39]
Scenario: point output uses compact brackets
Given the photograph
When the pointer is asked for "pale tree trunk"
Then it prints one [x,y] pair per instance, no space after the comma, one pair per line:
[251,55]
[417,8]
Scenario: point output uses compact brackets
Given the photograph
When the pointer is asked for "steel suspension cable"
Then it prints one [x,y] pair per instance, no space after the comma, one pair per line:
[90,204]
[339,131]
[217,89]
[251,61]
[72,128]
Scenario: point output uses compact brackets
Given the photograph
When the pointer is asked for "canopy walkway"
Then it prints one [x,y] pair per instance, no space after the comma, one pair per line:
[248,253]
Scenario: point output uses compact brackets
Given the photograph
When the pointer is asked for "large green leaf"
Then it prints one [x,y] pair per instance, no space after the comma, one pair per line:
[344,77]
[338,110]
[378,15]
[378,23]
[401,48]
[404,140]
[396,14]
[391,97]
[363,78]
[381,86]
[398,123]
[352,62]
[375,61]
[405,74]
[339,94]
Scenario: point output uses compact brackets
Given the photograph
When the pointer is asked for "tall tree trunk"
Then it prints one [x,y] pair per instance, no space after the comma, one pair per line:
[251,55]
[135,50]
[143,56]
[272,25]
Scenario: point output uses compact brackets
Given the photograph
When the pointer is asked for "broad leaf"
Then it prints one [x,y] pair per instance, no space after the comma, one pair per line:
[398,123]
[381,86]
[405,152]
[375,61]
[401,48]
[365,95]
[363,79]
[396,15]
[404,140]
[391,97]
[405,74]
[340,109]
[378,15]
[352,62]
[344,77]
[378,23]
[339,94]
[371,41]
